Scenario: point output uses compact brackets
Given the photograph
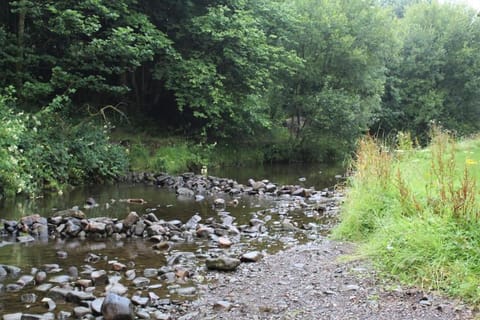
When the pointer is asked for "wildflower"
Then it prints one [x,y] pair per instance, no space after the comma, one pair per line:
[470,162]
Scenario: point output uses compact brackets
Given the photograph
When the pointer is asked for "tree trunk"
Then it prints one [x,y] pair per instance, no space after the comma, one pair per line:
[20,42]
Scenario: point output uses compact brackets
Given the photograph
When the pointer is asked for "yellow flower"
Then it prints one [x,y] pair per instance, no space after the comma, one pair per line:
[470,162]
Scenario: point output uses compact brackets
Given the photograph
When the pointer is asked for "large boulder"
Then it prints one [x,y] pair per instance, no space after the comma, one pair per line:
[115,307]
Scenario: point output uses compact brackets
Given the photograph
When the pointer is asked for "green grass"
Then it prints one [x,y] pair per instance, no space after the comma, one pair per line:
[416,213]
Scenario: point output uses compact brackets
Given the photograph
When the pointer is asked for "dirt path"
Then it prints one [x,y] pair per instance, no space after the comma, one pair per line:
[311,282]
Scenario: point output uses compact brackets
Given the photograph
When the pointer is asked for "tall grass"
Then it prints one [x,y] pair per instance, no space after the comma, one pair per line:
[417,212]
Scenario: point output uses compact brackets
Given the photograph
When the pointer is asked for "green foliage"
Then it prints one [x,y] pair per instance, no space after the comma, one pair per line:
[417,216]
[434,77]
[42,151]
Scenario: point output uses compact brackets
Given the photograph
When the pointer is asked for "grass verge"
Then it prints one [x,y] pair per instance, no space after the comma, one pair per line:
[416,212]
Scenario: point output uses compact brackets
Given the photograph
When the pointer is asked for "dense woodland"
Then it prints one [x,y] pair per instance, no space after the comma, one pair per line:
[302,79]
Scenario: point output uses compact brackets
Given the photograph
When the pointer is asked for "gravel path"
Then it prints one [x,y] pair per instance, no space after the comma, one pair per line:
[311,282]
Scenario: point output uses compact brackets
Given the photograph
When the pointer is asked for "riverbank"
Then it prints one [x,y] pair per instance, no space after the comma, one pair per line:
[207,267]
[313,281]
[416,212]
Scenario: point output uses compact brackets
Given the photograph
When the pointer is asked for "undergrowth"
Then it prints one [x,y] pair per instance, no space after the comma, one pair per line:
[416,212]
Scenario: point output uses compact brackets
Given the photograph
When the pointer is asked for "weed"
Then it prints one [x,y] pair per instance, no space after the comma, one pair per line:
[422,223]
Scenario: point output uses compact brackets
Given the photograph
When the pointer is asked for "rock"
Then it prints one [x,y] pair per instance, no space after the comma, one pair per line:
[150,272]
[192,223]
[99,277]
[222,263]
[12,270]
[219,202]
[116,288]
[51,267]
[73,272]
[60,279]
[224,242]
[28,298]
[92,258]
[96,306]
[44,287]
[140,301]
[253,256]
[222,305]
[62,254]
[131,219]
[64,315]
[187,291]
[73,213]
[115,307]
[141,282]
[162,246]
[25,280]
[58,293]
[117,266]
[13,287]
[51,305]
[80,311]
[185,192]
[79,296]
[158,315]
[40,277]
[140,228]
[25,239]
[204,232]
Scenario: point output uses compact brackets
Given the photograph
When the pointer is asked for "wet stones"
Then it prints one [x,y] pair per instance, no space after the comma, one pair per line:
[115,307]
[222,263]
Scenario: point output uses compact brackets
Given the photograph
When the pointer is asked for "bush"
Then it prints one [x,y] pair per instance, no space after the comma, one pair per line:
[44,151]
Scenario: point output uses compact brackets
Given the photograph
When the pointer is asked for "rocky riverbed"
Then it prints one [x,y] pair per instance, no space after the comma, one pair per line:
[221,266]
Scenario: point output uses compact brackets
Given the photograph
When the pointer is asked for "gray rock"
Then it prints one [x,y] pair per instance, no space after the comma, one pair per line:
[79,296]
[13,287]
[150,272]
[141,282]
[192,223]
[140,301]
[131,219]
[117,288]
[40,277]
[222,263]
[60,279]
[115,307]
[58,293]
[96,306]
[25,239]
[222,305]
[13,316]
[12,270]
[80,311]
[158,315]
[185,192]
[51,305]
[44,287]
[25,280]
[28,298]
[186,291]
[99,277]
[253,256]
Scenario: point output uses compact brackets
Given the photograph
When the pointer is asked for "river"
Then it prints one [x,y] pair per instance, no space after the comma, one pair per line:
[165,205]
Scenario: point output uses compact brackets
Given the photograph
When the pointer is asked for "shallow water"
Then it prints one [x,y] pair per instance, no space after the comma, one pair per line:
[165,204]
